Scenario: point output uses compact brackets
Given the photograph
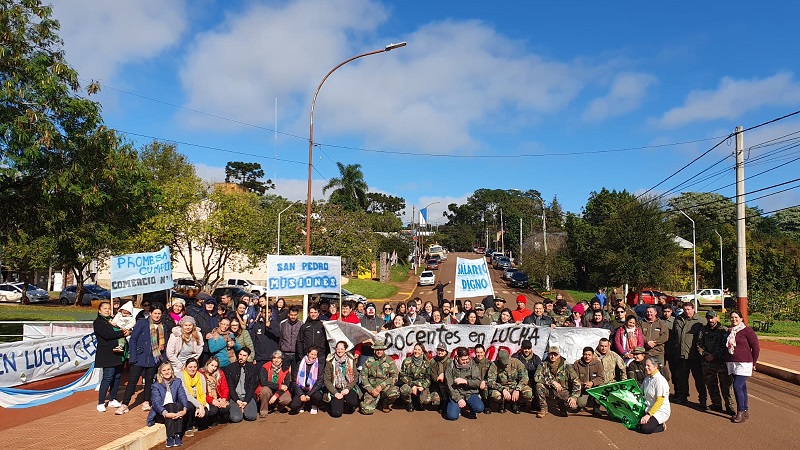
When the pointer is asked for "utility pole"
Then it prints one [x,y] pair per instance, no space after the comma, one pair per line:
[544,242]
[414,255]
[741,243]
[520,241]
[502,234]
[721,272]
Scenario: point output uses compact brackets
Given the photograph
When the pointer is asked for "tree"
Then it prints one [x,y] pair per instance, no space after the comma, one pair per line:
[381,203]
[555,263]
[248,176]
[349,188]
[337,231]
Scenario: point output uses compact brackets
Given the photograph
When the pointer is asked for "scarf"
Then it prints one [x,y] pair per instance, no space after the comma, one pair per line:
[211,386]
[418,361]
[194,385]
[307,380]
[461,366]
[630,335]
[156,340]
[731,344]
[176,317]
[343,374]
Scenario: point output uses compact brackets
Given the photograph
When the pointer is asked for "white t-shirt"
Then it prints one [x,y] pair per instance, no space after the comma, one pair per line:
[652,388]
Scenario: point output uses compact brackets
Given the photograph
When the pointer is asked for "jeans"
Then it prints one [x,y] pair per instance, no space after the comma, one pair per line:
[110,383]
[147,374]
[250,411]
[474,403]
[740,390]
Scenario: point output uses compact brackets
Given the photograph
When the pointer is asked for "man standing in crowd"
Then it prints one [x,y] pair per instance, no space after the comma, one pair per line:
[556,379]
[511,385]
[448,316]
[488,372]
[600,297]
[656,334]
[522,310]
[684,344]
[324,309]
[290,330]
[312,334]
[493,313]
[374,324]
[379,379]
[594,305]
[548,307]
[265,332]
[591,374]
[347,314]
[242,382]
[437,367]
[712,346]
[613,365]
[597,320]
[560,311]
[463,380]
[539,318]
[412,317]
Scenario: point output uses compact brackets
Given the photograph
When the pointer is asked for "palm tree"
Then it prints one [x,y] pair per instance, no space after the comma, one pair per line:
[350,189]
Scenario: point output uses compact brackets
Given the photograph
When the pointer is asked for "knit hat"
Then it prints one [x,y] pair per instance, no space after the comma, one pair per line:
[187,319]
[177,300]
[521,299]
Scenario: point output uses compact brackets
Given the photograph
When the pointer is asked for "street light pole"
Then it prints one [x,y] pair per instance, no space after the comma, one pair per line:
[279,225]
[721,277]
[311,133]
[694,258]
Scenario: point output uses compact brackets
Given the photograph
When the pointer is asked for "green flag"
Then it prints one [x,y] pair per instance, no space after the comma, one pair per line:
[623,400]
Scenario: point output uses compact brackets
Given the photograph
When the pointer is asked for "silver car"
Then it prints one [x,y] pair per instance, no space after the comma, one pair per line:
[12,292]
[90,292]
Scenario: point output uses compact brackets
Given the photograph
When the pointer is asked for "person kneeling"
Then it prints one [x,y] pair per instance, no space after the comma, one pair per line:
[463,379]
[656,399]
[341,380]
[379,379]
[242,382]
[168,401]
[555,379]
[274,385]
[308,385]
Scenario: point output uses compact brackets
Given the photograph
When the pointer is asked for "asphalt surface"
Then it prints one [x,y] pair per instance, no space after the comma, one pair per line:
[774,419]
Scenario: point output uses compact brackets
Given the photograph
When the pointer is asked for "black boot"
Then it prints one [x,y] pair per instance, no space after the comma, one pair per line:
[487,407]
[410,406]
[502,408]
[514,408]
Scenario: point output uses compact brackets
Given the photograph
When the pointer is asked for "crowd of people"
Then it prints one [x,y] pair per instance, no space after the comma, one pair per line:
[209,362]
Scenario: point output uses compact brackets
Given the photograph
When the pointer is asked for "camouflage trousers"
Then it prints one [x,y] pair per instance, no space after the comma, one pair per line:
[525,394]
[718,380]
[543,393]
[438,394]
[424,396]
[388,395]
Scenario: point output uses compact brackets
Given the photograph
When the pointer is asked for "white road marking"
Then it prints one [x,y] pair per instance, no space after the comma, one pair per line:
[608,441]
[773,404]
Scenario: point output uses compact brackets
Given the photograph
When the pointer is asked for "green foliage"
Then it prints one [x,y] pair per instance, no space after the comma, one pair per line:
[247,175]
[338,231]
[349,188]
[400,272]
[383,203]
[392,244]
[384,222]
[370,288]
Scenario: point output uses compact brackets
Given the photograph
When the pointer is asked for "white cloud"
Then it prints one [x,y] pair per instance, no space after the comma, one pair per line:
[626,94]
[424,97]
[100,36]
[436,205]
[733,98]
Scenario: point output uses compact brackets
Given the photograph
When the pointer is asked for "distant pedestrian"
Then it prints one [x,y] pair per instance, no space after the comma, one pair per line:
[743,350]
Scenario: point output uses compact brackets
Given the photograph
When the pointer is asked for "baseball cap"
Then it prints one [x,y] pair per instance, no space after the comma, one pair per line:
[503,357]
[711,313]
[499,299]
[639,351]
[527,344]
[441,346]
[480,307]
[553,349]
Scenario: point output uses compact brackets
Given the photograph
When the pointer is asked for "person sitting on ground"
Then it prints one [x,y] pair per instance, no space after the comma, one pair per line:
[308,382]
[636,370]
[510,387]
[613,365]
[522,310]
[169,404]
[217,392]
[414,379]
[242,380]
[531,361]
[379,379]
[539,318]
[656,398]
[341,381]
[556,379]
[275,385]
[590,374]
[437,367]
[194,383]
[413,317]
[627,338]
[463,380]
[184,343]
[488,371]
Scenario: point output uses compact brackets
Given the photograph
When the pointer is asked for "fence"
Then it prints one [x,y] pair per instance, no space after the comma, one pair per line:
[18,330]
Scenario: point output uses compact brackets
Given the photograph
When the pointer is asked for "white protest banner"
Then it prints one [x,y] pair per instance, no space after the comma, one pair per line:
[472,278]
[25,361]
[571,341]
[303,274]
[41,330]
[139,273]
[26,398]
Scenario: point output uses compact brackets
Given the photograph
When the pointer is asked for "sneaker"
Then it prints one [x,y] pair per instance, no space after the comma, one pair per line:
[178,441]
[314,410]
[541,414]
[189,433]
[101,408]
[121,410]
[170,442]
[302,410]
[146,406]
[114,404]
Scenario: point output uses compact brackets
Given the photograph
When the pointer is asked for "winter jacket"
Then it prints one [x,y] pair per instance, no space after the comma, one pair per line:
[191,398]
[174,347]
[565,375]
[106,341]
[244,340]
[414,375]
[621,340]
[265,339]
[683,339]
[713,342]
[222,388]
[604,324]
[140,348]
[284,378]
[289,333]
[312,332]
[206,323]
[613,366]
[159,392]
[373,324]
[530,364]
[636,371]
[218,348]
[318,384]
[543,321]
[418,320]
[233,375]
[330,366]
[657,331]
[593,371]
[470,372]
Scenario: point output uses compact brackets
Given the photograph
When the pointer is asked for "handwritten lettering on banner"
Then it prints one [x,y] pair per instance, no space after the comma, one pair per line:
[139,273]
[472,278]
[26,361]
[303,274]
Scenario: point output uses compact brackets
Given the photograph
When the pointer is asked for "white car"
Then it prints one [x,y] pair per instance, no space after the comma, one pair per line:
[347,295]
[247,285]
[709,297]
[427,278]
[12,292]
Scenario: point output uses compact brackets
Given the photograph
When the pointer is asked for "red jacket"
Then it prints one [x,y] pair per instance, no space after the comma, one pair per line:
[222,388]
[519,315]
[352,318]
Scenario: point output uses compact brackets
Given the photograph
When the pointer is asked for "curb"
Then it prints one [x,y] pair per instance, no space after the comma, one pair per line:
[781,373]
[144,438]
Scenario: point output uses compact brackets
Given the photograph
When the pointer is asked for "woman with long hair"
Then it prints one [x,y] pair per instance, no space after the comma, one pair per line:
[281,309]
[177,311]
[427,309]
[401,308]
[106,358]
[216,390]
[184,343]
[436,316]
[505,317]
[397,322]
[341,380]
[221,343]
[743,350]
[656,398]
[242,338]
[169,404]
[470,318]
[627,338]
[148,349]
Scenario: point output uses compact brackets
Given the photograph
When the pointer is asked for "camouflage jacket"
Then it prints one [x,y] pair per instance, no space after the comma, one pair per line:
[514,376]
[559,319]
[414,375]
[378,372]
[492,313]
[486,367]
[713,341]
[564,374]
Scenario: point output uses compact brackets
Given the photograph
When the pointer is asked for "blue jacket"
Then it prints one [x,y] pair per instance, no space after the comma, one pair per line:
[141,353]
[159,391]
[219,348]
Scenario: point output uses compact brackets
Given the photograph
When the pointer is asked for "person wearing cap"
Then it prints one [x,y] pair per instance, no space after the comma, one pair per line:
[510,387]
[185,342]
[539,318]
[549,305]
[522,310]
[683,341]
[613,365]
[207,319]
[712,342]
[493,313]
[414,379]
[531,361]
[413,317]
[488,372]
[557,380]
[324,309]
[379,378]
[636,369]
[437,366]
[463,380]
[590,374]
[480,311]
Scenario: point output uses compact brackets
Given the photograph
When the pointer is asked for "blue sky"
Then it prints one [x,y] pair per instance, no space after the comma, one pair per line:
[508,95]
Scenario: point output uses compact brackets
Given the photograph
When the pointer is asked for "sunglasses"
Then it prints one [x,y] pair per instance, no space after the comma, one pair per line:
[387,309]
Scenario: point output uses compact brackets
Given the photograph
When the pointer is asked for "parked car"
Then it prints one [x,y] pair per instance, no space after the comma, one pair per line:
[518,279]
[12,292]
[333,297]
[495,255]
[710,298]
[649,297]
[247,285]
[90,292]
[234,292]
[427,278]
[433,264]
[480,250]
[502,263]
[507,272]
[488,253]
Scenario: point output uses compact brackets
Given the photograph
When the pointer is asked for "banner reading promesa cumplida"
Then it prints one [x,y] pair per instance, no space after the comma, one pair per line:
[472,278]
[139,273]
[303,274]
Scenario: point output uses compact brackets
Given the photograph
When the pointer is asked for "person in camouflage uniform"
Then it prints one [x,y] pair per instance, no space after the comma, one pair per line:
[531,361]
[591,374]
[560,312]
[511,385]
[415,380]
[378,377]
[463,380]
[557,380]
[636,370]
[712,345]
[437,366]
[493,313]
[488,374]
